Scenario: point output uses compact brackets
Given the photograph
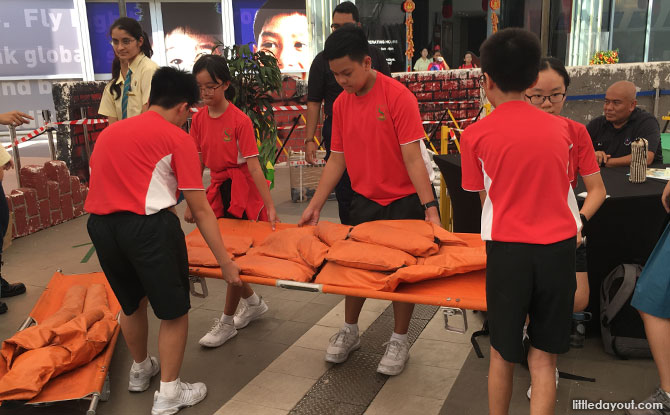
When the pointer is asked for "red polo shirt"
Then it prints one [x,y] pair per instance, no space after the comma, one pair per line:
[369,130]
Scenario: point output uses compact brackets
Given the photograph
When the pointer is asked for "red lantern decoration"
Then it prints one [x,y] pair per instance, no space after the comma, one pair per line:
[485,5]
[408,6]
[447,9]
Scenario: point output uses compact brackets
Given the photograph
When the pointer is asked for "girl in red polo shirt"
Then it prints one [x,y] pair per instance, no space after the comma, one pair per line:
[225,138]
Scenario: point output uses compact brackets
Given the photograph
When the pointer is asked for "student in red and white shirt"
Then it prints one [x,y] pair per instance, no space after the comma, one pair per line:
[548,94]
[138,168]
[225,138]
[518,158]
[377,133]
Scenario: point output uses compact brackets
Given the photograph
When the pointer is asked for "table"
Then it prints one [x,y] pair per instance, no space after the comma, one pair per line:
[624,230]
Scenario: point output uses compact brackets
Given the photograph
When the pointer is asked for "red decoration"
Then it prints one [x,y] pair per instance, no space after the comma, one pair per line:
[485,5]
[447,9]
[495,5]
[408,6]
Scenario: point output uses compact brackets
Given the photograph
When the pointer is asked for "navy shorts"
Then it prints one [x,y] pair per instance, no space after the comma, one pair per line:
[144,256]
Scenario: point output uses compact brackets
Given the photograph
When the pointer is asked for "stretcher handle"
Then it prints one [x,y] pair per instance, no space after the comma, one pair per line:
[94,404]
[27,323]
[300,286]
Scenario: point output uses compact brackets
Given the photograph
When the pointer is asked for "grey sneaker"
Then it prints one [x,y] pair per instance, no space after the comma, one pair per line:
[246,313]
[658,400]
[341,344]
[189,394]
[139,379]
[393,361]
[218,334]
[531,386]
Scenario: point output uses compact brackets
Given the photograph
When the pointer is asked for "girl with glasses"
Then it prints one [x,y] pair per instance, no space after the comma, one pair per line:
[127,94]
[548,94]
[224,136]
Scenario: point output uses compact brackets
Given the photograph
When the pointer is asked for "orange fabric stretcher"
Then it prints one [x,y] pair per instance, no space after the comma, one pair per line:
[465,291]
[81,296]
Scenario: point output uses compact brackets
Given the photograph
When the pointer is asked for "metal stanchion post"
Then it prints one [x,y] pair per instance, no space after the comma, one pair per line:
[15,153]
[87,144]
[46,114]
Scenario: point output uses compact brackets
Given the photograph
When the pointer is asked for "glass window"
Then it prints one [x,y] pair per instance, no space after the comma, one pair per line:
[660,31]
[629,29]
[384,23]
[100,18]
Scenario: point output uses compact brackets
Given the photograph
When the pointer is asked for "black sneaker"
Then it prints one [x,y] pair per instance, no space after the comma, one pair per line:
[3,308]
[10,290]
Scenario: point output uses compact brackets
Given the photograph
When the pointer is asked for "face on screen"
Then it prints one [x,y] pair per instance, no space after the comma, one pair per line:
[183,48]
[286,36]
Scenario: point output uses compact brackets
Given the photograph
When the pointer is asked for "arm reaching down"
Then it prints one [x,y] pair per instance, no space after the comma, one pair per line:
[206,221]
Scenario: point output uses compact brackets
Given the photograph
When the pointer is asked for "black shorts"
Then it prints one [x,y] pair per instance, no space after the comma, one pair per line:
[144,256]
[534,280]
[366,210]
[581,258]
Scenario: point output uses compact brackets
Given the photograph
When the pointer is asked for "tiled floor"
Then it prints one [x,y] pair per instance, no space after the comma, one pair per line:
[271,364]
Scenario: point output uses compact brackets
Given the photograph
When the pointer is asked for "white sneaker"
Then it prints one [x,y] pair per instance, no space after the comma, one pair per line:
[341,344]
[393,361]
[218,334]
[139,380]
[246,313]
[531,386]
[189,394]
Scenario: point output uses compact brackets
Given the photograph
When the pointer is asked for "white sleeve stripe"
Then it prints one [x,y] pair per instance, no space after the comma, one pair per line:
[340,152]
[413,141]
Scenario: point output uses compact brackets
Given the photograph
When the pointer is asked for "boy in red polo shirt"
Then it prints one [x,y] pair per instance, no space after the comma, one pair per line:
[138,168]
[377,133]
[518,158]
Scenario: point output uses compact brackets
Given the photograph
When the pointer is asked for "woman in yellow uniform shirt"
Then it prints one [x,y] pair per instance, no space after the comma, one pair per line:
[127,93]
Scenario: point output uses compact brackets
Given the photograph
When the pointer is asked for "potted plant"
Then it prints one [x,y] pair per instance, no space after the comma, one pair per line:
[255,75]
[605,57]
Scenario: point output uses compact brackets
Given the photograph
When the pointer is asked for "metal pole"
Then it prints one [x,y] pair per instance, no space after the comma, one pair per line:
[15,154]
[46,114]
[122,8]
[87,144]
[544,29]
[656,98]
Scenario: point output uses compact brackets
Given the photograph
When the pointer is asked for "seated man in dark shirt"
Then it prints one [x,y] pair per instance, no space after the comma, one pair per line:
[323,87]
[622,123]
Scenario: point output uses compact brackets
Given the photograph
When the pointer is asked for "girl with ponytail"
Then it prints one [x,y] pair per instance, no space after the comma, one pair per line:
[127,94]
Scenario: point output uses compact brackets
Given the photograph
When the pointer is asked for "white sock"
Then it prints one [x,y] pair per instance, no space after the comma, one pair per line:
[353,328]
[667,393]
[254,299]
[144,365]
[399,337]
[226,319]
[170,388]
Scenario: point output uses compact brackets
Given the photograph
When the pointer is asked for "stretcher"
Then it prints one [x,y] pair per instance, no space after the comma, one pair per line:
[90,381]
[453,294]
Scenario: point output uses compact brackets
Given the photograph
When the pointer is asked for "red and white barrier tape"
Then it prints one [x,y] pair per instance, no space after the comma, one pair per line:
[276,109]
[448,102]
[450,121]
[42,129]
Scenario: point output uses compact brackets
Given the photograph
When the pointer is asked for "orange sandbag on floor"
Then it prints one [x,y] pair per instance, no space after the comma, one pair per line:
[34,356]
[367,256]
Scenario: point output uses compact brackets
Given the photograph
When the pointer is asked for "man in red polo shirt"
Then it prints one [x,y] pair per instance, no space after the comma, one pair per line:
[518,158]
[377,133]
[138,168]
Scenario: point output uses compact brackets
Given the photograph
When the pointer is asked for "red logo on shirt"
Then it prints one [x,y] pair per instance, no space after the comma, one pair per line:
[381,116]
[226,135]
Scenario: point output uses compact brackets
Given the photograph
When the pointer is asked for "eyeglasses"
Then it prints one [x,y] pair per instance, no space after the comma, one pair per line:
[553,98]
[209,89]
[125,42]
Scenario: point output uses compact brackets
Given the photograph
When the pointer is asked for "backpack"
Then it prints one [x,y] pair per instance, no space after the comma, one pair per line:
[621,326]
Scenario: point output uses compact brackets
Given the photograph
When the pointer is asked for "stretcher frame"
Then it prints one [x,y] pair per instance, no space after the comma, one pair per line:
[99,389]
[451,292]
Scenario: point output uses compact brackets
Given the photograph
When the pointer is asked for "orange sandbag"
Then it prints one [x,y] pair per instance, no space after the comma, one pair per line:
[33,357]
[199,253]
[445,237]
[283,244]
[312,250]
[398,236]
[330,232]
[268,267]
[337,275]
[368,256]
